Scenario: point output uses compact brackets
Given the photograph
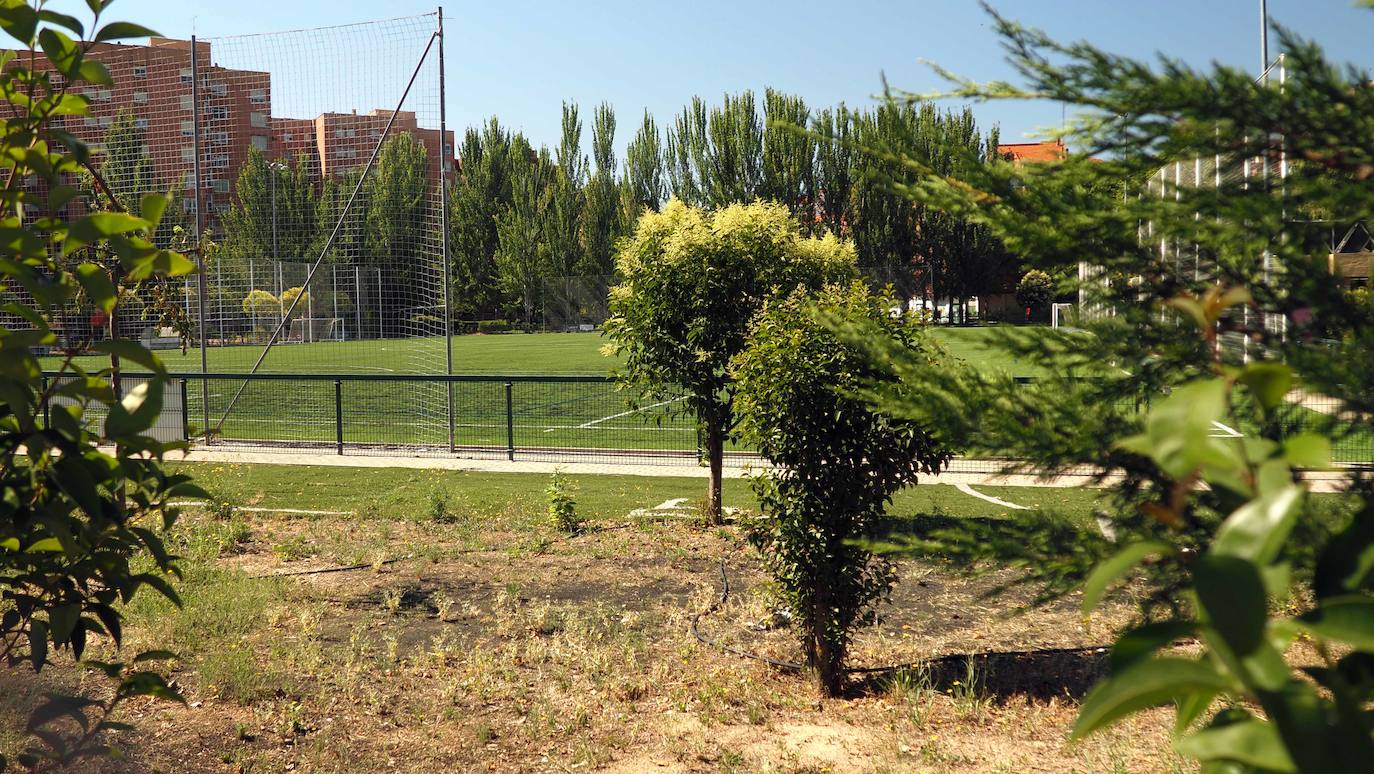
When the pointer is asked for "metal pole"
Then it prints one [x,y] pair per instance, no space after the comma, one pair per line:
[1264,41]
[444,159]
[185,412]
[47,405]
[338,414]
[338,225]
[199,220]
[510,424]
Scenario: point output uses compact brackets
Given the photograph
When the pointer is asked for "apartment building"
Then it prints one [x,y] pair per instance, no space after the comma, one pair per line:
[153,83]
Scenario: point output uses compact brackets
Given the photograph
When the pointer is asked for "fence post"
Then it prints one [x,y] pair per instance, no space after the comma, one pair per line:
[510,423]
[185,412]
[338,414]
[47,413]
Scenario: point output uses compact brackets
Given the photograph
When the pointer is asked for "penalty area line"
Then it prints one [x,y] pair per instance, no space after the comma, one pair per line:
[595,422]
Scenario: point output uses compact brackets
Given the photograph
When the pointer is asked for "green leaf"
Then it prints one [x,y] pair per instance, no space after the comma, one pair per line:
[45,545]
[1347,619]
[136,412]
[1143,641]
[19,20]
[1308,450]
[151,207]
[92,71]
[130,350]
[97,285]
[100,225]
[121,30]
[1251,742]
[10,544]
[1257,530]
[1109,570]
[38,644]
[62,620]
[61,51]
[63,20]
[1147,684]
[1268,382]
[1231,593]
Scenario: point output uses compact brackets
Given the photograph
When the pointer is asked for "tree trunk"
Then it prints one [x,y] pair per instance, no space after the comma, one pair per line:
[715,456]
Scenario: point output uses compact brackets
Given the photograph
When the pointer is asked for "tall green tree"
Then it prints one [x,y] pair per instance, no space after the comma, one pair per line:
[480,191]
[691,281]
[834,170]
[643,183]
[602,220]
[523,253]
[125,165]
[274,213]
[567,198]
[789,155]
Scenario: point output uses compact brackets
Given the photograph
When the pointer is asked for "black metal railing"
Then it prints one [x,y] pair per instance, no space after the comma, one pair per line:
[529,417]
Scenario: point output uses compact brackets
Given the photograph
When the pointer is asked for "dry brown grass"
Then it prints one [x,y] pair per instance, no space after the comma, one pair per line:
[503,647]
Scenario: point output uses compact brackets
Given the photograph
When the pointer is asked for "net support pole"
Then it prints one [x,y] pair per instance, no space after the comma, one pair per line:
[200,254]
[338,226]
[444,159]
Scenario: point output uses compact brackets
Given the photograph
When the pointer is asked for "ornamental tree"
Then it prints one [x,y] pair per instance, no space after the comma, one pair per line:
[837,463]
[692,282]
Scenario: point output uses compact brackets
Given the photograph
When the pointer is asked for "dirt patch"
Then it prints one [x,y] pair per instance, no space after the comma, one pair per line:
[533,652]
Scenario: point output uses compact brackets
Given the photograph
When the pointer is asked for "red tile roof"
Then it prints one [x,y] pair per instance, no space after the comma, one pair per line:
[1037,152]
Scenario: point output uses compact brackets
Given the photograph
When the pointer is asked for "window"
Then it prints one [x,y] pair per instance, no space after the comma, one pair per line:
[257,119]
[141,123]
[188,205]
[257,96]
[103,95]
[140,97]
[185,102]
[219,186]
[216,88]
[218,160]
[346,153]
[219,138]
[342,133]
[188,155]
[259,141]
[140,71]
[286,137]
[106,120]
[91,121]
[217,113]
[188,129]
[186,75]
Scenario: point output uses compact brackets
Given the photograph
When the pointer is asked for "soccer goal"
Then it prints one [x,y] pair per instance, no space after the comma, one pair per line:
[311,329]
[1061,315]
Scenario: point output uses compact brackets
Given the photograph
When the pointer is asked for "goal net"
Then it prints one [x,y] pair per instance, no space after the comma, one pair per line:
[308,330]
[1061,315]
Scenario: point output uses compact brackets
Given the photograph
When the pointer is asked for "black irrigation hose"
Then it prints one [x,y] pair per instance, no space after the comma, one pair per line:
[795,667]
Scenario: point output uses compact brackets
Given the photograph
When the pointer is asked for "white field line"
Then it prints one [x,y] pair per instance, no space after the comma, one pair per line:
[247,509]
[968,490]
[1226,431]
[595,422]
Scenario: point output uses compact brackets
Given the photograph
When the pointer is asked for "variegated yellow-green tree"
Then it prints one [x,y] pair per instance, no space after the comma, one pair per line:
[692,281]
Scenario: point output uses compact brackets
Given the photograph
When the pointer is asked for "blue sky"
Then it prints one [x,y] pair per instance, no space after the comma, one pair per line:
[520,60]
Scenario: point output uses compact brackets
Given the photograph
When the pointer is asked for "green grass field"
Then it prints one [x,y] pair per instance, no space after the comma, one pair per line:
[410,413]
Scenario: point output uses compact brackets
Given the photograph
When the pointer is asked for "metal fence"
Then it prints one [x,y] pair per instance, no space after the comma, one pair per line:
[526,417]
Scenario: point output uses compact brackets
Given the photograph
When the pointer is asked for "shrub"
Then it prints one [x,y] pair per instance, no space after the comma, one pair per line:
[838,463]
[1035,289]
[494,326]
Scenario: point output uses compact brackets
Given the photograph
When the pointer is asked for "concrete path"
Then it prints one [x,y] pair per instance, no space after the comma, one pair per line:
[962,472]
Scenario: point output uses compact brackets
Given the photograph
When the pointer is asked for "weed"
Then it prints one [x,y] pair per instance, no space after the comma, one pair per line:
[970,700]
[439,511]
[219,509]
[562,507]
[293,549]
[391,600]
